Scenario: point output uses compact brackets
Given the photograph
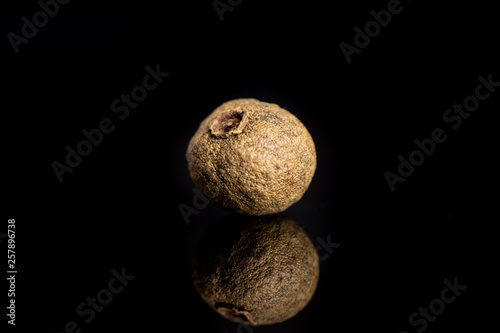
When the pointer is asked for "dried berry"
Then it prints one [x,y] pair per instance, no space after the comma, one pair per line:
[252,157]
[259,271]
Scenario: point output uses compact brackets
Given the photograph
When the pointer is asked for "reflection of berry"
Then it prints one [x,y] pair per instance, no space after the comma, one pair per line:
[256,270]
[257,157]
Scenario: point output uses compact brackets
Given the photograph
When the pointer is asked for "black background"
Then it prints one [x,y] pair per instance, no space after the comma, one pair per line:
[119,207]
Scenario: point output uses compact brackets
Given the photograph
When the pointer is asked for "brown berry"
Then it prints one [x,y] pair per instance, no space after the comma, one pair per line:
[259,271]
[252,157]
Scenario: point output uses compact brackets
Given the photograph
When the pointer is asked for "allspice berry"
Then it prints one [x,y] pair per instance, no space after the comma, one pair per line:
[257,270]
[252,157]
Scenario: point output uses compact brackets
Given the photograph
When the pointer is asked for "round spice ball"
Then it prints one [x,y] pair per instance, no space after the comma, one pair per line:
[257,271]
[252,157]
